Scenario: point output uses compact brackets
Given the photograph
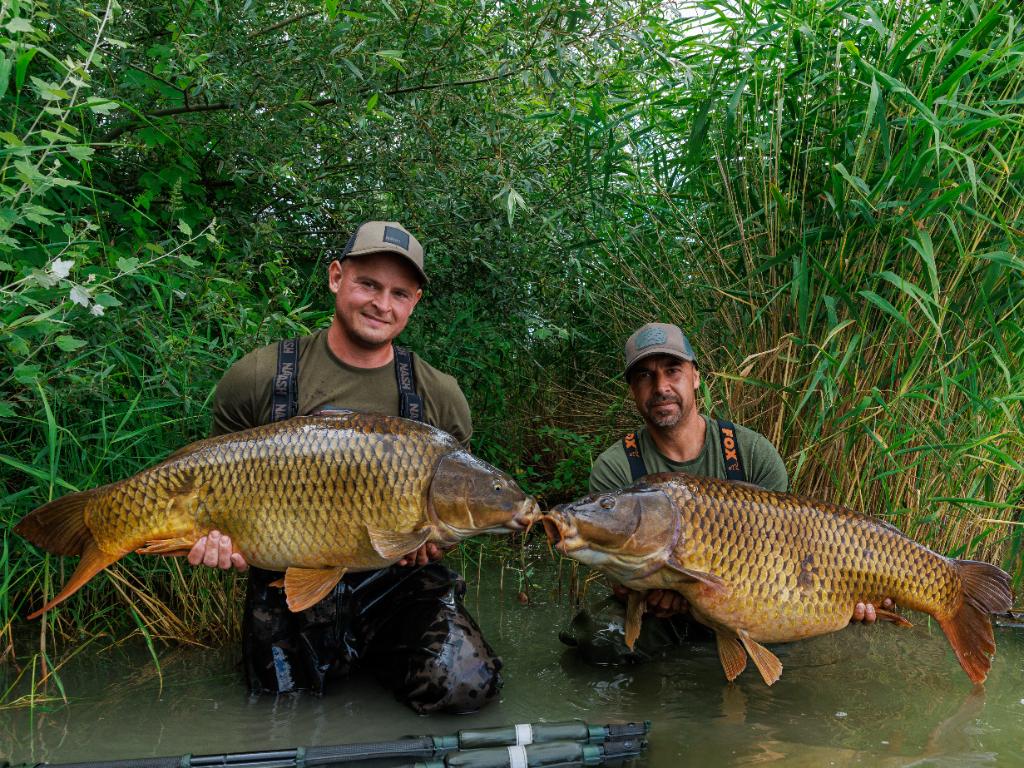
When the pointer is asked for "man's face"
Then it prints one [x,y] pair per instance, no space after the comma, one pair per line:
[373,297]
[665,389]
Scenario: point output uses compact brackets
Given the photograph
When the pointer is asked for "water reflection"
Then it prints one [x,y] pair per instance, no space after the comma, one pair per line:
[865,696]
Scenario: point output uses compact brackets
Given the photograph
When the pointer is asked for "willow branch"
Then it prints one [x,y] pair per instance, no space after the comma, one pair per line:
[221,106]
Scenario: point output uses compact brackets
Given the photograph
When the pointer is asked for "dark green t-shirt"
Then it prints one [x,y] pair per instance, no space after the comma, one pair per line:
[243,396]
[761,462]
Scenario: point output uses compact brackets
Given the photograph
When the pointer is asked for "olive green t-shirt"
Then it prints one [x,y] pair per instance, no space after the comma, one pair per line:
[243,396]
[761,462]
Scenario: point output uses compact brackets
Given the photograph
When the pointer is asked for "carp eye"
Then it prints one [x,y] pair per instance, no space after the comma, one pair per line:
[497,485]
[606,502]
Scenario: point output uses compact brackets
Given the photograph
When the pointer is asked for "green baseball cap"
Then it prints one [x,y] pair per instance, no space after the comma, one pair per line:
[657,339]
[385,237]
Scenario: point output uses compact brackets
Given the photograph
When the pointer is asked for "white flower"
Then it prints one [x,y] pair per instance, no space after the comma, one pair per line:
[79,295]
[61,268]
[96,309]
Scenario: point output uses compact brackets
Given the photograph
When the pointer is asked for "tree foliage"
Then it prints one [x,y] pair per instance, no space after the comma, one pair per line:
[826,196]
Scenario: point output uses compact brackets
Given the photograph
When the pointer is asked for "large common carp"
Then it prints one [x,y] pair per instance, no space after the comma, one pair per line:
[314,496]
[763,567]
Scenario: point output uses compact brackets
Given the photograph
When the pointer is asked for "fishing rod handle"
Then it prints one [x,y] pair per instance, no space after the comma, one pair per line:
[525,734]
[555,753]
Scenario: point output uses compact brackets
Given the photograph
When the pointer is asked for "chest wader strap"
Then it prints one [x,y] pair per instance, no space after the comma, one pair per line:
[284,401]
[730,451]
[637,468]
[410,404]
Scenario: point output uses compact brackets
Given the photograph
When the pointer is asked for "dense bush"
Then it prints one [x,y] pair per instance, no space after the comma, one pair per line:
[826,196]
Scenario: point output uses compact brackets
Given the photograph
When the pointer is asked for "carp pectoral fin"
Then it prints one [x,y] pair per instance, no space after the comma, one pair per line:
[895,618]
[731,654]
[93,561]
[175,547]
[707,579]
[636,603]
[305,587]
[767,663]
[392,545]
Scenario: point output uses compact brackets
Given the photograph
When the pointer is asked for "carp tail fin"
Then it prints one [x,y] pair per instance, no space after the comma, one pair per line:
[986,590]
[59,526]
[93,561]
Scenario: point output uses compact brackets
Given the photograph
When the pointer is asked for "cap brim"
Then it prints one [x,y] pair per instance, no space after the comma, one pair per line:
[385,248]
[652,351]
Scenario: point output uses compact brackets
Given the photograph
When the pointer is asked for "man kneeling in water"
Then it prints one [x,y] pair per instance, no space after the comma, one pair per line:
[661,370]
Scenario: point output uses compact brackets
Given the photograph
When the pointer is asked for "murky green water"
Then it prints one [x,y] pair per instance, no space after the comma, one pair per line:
[865,696]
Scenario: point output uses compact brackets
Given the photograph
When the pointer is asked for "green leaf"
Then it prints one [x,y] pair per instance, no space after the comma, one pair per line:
[80,151]
[19,25]
[926,250]
[101,106]
[49,91]
[21,66]
[69,343]
[5,74]
[106,300]
[129,264]
[26,374]
[6,409]
[184,227]
[1003,258]
[885,306]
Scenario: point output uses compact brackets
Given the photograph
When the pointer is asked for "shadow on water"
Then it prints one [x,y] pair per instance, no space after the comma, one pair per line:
[864,696]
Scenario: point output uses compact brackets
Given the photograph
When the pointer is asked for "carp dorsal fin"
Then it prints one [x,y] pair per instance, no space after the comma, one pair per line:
[636,603]
[767,663]
[392,545]
[731,654]
[305,587]
[707,579]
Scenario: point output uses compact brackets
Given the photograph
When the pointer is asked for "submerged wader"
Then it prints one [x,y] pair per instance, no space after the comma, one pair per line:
[407,624]
[599,635]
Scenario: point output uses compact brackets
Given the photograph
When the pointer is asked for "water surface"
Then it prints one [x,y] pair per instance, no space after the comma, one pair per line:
[864,696]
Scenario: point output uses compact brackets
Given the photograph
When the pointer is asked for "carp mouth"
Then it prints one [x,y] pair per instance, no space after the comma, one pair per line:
[559,531]
[526,516]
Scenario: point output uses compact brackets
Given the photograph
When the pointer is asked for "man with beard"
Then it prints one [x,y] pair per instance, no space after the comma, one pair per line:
[663,377]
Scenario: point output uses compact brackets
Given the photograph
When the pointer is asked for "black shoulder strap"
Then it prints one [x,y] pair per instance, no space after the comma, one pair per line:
[410,404]
[730,451]
[285,397]
[637,468]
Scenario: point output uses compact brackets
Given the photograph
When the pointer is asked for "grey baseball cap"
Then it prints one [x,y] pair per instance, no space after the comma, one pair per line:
[657,339]
[385,237]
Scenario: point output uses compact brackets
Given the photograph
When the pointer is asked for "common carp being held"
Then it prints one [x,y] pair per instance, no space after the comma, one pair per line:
[314,496]
[763,567]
